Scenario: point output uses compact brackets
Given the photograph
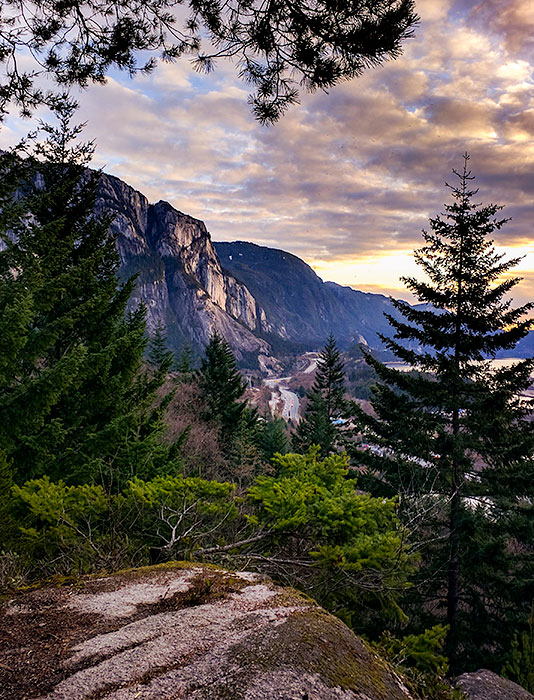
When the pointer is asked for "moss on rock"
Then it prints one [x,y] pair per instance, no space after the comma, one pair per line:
[181,630]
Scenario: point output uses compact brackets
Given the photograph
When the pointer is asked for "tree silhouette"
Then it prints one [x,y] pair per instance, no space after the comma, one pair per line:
[277,46]
[452,436]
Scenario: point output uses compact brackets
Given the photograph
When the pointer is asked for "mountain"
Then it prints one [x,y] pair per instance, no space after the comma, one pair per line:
[255,297]
[180,278]
[298,304]
[262,300]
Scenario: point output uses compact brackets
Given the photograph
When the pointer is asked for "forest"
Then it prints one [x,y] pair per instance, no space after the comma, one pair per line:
[423,544]
[411,520]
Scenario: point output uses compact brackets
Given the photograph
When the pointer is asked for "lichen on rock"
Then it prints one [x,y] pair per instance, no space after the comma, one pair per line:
[184,631]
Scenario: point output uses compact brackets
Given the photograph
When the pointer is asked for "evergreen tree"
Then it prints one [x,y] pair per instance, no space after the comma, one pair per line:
[315,427]
[244,456]
[330,380]
[272,438]
[184,364]
[159,355]
[74,402]
[223,388]
[29,386]
[7,524]
[452,436]
[278,46]
[326,403]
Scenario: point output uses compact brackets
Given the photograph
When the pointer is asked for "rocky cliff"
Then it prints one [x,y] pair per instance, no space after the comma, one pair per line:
[183,631]
[180,278]
[299,305]
[256,297]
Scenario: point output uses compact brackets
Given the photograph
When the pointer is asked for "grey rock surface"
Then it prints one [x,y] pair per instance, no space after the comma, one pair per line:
[180,278]
[184,631]
[486,685]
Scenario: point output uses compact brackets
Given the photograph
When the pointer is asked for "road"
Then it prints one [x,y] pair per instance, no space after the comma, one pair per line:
[290,399]
[312,366]
[291,405]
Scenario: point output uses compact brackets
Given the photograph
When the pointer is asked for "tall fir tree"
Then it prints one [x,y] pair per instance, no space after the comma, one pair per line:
[272,436]
[74,400]
[184,364]
[454,442]
[326,404]
[330,380]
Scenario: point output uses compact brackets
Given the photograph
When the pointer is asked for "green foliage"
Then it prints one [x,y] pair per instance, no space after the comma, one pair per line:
[337,543]
[312,509]
[68,525]
[222,388]
[423,652]
[7,525]
[451,437]
[348,529]
[330,380]
[177,516]
[184,364]
[520,664]
[75,402]
[272,437]
[361,380]
[420,660]
[326,403]
[315,427]
[159,355]
[71,529]
[244,458]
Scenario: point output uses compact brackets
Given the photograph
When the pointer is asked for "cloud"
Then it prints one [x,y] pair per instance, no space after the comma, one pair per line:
[512,21]
[348,176]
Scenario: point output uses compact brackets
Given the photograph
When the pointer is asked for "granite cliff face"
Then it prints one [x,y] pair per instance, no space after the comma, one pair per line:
[256,295]
[180,278]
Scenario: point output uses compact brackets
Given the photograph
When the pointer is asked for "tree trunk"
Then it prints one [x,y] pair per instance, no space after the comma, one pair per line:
[453,582]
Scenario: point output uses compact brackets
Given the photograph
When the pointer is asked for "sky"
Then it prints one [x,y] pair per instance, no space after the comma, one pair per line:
[345,180]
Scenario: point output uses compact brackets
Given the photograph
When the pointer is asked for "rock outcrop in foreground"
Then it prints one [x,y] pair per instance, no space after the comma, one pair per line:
[485,685]
[183,631]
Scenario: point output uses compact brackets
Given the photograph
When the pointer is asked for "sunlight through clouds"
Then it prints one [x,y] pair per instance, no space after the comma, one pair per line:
[345,180]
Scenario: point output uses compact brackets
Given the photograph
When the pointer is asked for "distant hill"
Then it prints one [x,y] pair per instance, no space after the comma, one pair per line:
[298,305]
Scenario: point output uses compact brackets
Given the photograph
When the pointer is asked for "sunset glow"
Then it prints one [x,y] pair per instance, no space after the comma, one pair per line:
[345,180]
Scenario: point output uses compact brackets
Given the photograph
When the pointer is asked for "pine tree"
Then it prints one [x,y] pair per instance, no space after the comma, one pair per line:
[315,427]
[223,388]
[244,456]
[74,401]
[326,403]
[330,380]
[279,47]
[452,436]
[184,365]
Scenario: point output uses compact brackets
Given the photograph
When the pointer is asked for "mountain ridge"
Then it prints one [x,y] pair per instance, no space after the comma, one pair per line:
[262,300]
